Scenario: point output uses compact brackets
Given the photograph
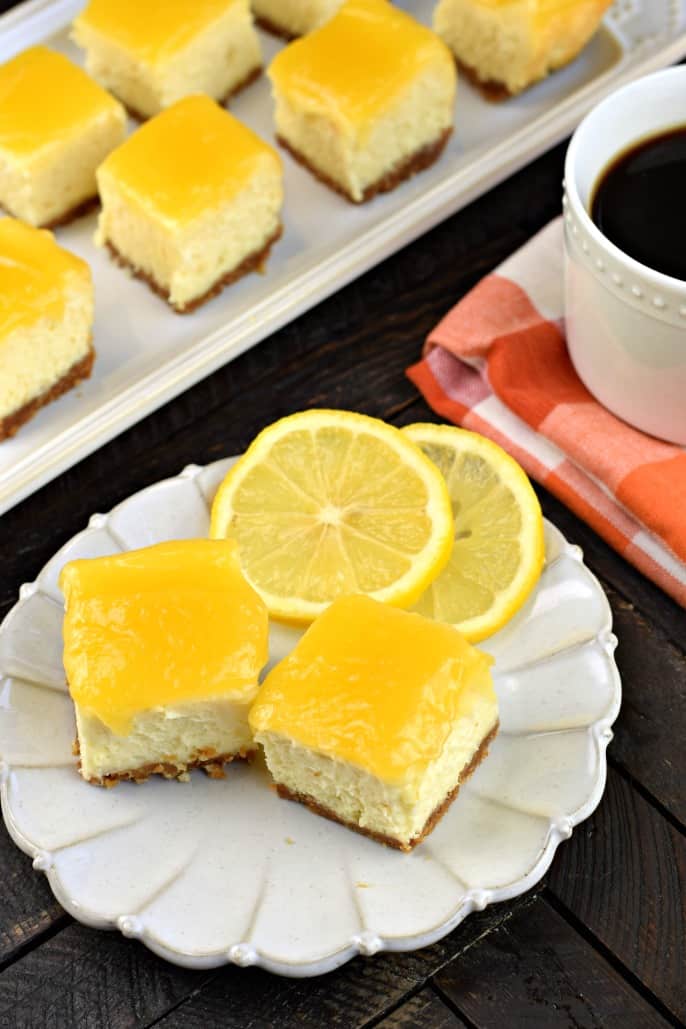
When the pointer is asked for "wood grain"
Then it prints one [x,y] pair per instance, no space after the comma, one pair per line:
[423,1011]
[536,971]
[27,906]
[82,979]
[623,876]
[81,971]
[652,724]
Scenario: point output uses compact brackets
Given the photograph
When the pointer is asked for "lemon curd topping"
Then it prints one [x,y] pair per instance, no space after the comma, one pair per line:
[152,29]
[358,62]
[565,13]
[374,686]
[44,98]
[34,273]
[190,158]
[160,627]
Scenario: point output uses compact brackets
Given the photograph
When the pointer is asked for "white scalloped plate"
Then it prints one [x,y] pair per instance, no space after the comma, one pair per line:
[147,355]
[213,872]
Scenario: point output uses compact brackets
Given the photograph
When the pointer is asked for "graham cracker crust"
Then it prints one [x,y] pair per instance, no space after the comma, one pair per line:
[274,29]
[208,760]
[431,822]
[416,162]
[85,207]
[253,262]
[490,89]
[81,370]
[253,74]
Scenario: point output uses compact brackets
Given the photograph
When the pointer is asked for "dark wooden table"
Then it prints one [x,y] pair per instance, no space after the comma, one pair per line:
[601,941]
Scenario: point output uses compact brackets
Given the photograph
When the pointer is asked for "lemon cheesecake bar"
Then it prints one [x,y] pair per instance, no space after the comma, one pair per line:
[366,100]
[191,201]
[376,718]
[56,126]
[291,18]
[162,650]
[46,317]
[154,52]
[510,44]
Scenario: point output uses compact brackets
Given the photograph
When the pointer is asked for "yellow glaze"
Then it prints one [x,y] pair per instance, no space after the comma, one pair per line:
[563,16]
[358,62]
[373,686]
[152,29]
[157,627]
[189,159]
[44,98]
[34,274]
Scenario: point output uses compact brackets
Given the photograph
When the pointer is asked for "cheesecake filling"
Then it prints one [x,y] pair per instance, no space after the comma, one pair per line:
[188,160]
[189,197]
[178,737]
[46,313]
[358,63]
[55,345]
[49,185]
[374,717]
[56,127]
[151,55]
[400,809]
[357,157]
[378,688]
[514,44]
[294,17]
[357,98]
[186,260]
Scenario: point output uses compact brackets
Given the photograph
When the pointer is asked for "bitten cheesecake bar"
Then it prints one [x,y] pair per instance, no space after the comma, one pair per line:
[291,18]
[376,718]
[366,100]
[510,44]
[162,650]
[56,126]
[191,201]
[151,53]
[46,317]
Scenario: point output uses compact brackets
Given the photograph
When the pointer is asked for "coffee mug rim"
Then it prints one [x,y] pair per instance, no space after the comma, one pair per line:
[659,279]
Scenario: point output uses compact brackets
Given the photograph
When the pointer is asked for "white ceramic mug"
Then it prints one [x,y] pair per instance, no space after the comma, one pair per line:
[626,323]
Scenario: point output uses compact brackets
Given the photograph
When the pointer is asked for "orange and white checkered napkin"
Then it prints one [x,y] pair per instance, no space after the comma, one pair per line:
[498,364]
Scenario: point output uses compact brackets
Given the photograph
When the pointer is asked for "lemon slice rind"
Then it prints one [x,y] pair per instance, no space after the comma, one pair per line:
[373,518]
[510,476]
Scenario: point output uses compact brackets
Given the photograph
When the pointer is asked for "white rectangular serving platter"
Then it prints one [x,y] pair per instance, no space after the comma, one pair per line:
[146,354]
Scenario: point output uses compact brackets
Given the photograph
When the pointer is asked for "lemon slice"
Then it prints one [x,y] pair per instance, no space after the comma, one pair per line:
[499,547]
[326,503]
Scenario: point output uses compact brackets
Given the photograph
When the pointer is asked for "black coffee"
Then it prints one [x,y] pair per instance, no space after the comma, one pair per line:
[639,202]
